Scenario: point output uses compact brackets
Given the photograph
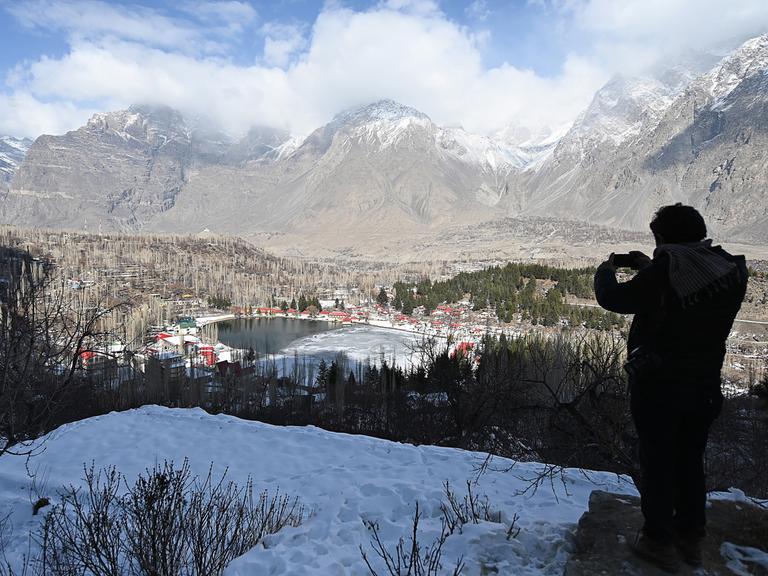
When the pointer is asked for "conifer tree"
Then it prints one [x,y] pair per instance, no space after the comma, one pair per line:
[382,298]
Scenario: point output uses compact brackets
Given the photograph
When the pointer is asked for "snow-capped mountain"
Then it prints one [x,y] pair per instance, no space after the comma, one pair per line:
[384,168]
[387,124]
[156,126]
[620,110]
[12,152]
[645,143]
[749,59]
[377,168]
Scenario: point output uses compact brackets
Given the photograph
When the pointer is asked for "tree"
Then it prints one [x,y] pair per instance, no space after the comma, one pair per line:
[46,329]
[293,303]
[408,306]
[220,302]
[302,303]
[321,380]
[382,298]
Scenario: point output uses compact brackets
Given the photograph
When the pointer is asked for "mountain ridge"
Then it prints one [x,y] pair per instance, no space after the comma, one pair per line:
[387,168]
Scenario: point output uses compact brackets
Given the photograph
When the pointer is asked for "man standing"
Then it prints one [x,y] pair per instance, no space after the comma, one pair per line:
[684,301]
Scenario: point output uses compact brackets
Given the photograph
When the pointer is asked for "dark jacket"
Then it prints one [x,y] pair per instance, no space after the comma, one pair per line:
[690,340]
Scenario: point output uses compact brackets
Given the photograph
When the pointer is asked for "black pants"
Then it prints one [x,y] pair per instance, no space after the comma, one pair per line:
[672,434]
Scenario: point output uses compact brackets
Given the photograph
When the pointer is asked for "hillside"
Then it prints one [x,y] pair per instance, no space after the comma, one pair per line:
[344,483]
[342,480]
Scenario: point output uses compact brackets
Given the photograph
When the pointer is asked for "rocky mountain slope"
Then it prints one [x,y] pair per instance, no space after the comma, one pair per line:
[381,165]
[385,170]
[703,145]
[122,169]
[12,152]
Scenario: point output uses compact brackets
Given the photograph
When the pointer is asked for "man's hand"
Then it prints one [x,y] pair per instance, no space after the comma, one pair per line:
[641,260]
[608,264]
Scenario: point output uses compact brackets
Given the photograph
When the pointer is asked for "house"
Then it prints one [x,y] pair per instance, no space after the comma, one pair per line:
[98,365]
[179,343]
[207,353]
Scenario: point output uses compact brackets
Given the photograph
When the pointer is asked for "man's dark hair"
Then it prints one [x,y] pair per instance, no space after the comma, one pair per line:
[677,224]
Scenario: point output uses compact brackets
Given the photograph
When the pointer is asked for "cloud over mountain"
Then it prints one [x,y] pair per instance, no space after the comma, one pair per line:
[228,62]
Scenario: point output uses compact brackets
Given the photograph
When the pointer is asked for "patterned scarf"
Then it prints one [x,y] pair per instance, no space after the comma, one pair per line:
[697,272]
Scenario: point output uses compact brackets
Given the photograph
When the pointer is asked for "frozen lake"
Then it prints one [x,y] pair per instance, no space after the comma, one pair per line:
[268,335]
[302,344]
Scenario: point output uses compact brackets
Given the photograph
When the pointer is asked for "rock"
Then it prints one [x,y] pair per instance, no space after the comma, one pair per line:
[733,528]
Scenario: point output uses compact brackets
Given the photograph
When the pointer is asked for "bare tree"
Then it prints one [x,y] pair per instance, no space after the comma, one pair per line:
[45,329]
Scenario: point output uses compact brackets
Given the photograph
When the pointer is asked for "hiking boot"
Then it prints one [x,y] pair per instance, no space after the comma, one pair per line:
[689,548]
[661,554]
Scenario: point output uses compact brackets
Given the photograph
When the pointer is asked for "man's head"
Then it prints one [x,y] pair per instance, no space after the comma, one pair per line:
[678,224]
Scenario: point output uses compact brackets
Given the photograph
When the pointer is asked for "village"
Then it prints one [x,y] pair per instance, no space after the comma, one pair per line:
[187,354]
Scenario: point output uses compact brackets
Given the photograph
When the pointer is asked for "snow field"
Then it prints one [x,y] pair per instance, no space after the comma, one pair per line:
[343,480]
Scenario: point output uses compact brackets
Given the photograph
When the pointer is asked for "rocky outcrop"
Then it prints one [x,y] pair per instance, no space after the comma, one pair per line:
[736,542]
[12,152]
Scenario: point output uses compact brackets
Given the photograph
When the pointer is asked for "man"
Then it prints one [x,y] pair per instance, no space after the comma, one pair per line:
[684,301]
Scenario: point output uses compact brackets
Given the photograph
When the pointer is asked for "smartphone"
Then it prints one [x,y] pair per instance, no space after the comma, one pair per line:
[624,261]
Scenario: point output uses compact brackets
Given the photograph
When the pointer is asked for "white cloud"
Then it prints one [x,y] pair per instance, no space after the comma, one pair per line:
[89,19]
[632,36]
[282,42]
[226,11]
[406,50]
[209,28]
[232,15]
[421,7]
[22,114]
[478,10]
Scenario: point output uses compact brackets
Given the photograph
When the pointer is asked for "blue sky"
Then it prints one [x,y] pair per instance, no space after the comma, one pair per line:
[514,29]
[483,64]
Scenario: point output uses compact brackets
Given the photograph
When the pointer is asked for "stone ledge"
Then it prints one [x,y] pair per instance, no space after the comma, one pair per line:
[614,519]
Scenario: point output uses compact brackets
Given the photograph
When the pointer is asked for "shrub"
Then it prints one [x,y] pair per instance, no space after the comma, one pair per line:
[411,558]
[167,523]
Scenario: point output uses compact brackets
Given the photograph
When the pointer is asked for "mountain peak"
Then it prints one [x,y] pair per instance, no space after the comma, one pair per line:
[153,125]
[749,58]
[382,110]
[620,110]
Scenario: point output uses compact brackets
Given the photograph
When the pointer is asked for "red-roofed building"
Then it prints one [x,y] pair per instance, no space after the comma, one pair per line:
[463,349]
[266,310]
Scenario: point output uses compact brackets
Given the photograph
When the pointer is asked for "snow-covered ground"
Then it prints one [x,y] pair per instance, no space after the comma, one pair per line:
[345,480]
